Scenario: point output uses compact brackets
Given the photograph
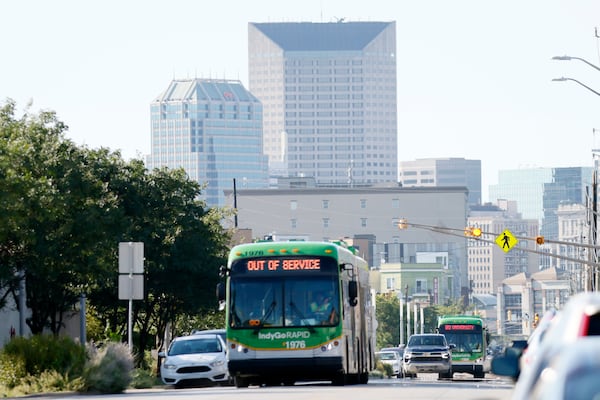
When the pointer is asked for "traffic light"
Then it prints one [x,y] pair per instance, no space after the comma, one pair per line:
[473,231]
[539,240]
[402,224]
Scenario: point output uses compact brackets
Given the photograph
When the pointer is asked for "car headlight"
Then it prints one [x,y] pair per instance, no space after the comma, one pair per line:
[445,355]
[168,365]
[217,363]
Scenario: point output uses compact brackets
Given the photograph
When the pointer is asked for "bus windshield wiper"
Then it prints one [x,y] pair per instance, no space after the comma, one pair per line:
[267,315]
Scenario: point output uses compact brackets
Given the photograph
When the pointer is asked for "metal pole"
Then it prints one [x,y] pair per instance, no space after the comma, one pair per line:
[22,303]
[82,332]
[235,217]
[407,320]
[401,319]
[416,321]
[130,312]
[593,277]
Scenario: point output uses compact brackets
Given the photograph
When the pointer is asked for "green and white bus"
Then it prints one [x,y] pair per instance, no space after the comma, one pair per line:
[469,336]
[276,331]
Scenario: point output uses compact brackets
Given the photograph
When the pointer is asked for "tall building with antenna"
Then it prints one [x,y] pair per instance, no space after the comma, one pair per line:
[328,92]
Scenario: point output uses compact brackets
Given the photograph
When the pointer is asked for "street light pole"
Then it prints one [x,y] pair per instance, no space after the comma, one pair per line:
[569,58]
[563,79]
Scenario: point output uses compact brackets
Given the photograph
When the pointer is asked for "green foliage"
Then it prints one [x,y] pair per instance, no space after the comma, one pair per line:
[211,319]
[48,382]
[12,369]
[64,208]
[144,379]
[47,353]
[109,370]
[388,320]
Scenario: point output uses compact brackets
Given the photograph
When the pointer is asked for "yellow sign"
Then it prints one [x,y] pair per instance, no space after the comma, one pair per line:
[506,241]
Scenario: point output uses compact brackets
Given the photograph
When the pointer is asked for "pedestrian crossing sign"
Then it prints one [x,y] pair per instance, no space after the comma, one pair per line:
[506,241]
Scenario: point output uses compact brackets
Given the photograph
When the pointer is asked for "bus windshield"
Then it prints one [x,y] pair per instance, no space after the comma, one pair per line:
[467,338]
[284,301]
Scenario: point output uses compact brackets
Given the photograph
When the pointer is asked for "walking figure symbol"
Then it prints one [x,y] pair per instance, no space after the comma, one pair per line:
[506,241]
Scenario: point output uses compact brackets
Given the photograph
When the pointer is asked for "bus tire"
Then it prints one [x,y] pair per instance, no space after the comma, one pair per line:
[339,379]
[363,378]
[240,382]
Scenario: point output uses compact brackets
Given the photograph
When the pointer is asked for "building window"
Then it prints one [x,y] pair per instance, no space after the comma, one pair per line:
[293,223]
[363,203]
[325,203]
[390,283]
[395,203]
[363,222]
[293,204]
[325,222]
[421,285]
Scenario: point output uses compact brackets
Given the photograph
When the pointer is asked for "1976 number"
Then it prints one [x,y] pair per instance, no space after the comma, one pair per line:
[295,344]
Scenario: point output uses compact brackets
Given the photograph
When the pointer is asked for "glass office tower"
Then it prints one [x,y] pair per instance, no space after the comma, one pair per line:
[329,97]
[213,130]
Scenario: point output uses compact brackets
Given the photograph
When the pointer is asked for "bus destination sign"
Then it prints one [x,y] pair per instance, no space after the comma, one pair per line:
[458,327]
[293,264]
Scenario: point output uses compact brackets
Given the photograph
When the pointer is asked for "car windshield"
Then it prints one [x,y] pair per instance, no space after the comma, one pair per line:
[387,356]
[195,346]
[426,341]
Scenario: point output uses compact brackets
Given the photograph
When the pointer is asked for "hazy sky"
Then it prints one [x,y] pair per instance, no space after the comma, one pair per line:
[474,76]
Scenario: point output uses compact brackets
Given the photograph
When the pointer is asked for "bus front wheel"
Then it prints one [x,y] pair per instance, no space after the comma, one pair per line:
[240,382]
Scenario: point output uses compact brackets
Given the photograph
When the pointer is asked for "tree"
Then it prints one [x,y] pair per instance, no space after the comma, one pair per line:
[388,320]
[184,246]
[50,199]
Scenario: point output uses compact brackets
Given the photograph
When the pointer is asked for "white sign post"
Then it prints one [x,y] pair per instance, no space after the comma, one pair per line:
[131,279]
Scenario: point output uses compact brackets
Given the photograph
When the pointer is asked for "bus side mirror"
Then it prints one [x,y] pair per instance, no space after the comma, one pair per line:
[220,291]
[353,293]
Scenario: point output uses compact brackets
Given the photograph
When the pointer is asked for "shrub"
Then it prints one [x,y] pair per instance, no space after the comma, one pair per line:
[49,381]
[48,353]
[12,369]
[109,369]
[143,379]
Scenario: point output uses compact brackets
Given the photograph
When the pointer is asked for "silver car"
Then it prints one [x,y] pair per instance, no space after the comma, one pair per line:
[393,359]
[195,360]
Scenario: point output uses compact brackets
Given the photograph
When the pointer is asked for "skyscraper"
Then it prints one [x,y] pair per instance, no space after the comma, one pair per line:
[329,96]
[213,130]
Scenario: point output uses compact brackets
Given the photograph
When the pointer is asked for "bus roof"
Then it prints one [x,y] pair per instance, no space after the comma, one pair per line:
[269,248]
[460,319]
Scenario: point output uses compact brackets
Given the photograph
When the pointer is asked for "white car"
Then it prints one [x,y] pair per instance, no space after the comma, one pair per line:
[392,358]
[195,360]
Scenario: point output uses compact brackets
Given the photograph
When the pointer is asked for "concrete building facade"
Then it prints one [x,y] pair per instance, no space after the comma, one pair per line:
[523,295]
[430,172]
[370,216]
[488,264]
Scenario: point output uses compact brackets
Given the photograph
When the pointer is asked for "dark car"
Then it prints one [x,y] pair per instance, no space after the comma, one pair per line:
[428,352]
